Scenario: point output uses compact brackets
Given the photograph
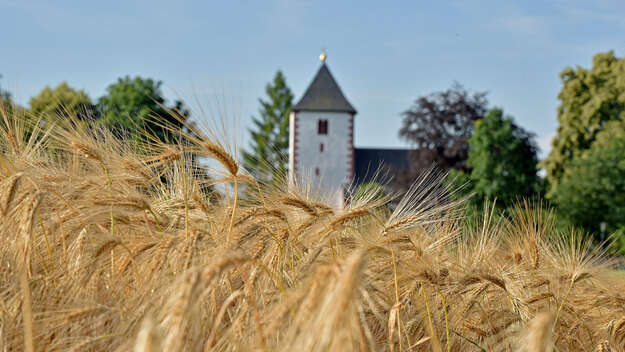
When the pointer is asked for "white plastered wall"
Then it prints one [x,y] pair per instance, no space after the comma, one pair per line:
[334,163]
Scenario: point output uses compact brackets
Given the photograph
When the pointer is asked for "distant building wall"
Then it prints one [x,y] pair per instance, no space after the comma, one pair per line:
[331,168]
[292,138]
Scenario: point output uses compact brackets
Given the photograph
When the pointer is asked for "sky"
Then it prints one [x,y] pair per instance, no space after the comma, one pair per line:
[218,55]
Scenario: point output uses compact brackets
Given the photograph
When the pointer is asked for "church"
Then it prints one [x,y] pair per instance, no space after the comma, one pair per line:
[321,141]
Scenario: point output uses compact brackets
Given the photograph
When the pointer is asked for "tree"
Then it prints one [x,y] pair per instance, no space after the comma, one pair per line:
[269,143]
[7,105]
[10,108]
[592,103]
[503,160]
[5,99]
[439,125]
[137,103]
[61,100]
[369,191]
[6,102]
[16,124]
[591,191]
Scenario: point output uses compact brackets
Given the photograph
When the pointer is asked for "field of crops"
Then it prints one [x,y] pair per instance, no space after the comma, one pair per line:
[109,245]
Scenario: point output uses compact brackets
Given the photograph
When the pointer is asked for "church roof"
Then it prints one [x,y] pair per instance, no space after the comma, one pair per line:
[324,94]
[367,161]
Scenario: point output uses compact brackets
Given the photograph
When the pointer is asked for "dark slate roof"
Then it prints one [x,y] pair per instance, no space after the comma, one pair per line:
[324,94]
[367,161]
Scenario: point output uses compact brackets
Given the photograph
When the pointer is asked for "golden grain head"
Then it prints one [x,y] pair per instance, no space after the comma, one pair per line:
[218,153]
[9,190]
[298,203]
[86,150]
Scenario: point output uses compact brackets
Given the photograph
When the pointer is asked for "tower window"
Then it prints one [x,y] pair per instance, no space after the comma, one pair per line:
[321,148]
[316,171]
[322,127]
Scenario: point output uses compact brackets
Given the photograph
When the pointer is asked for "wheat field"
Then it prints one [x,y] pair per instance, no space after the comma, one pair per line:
[115,246]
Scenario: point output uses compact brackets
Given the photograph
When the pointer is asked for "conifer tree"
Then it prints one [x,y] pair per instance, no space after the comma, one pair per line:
[268,154]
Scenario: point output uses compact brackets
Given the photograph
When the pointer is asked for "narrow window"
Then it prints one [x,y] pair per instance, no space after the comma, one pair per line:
[321,148]
[316,171]
[322,127]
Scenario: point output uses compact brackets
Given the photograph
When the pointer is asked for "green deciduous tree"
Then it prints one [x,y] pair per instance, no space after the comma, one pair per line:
[269,143]
[61,100]
[132,104]
[592,103]
[592,188]
[503,160]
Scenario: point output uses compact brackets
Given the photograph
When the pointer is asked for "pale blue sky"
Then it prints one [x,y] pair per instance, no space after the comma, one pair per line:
[384,54]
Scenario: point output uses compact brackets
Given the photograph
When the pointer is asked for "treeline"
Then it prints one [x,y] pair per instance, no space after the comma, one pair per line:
[130,107]
[134,109]
[486,153]
[493,158]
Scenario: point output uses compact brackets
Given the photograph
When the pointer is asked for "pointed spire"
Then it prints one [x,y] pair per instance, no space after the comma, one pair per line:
[324,94]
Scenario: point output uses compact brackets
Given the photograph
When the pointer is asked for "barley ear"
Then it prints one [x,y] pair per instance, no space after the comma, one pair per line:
[8,194]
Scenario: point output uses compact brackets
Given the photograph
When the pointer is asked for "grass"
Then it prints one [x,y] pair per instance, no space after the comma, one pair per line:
[100,253]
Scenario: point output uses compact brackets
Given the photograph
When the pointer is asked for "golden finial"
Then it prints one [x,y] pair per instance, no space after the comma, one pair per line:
[323,56]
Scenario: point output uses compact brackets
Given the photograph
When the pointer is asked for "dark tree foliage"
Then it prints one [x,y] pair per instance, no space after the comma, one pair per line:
[439,125]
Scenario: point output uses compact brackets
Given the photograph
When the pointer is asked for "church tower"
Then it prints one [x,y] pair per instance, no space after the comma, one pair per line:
[321,141]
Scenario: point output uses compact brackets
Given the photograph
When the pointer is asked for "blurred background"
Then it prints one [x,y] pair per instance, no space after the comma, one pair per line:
[516,99]
[384,55]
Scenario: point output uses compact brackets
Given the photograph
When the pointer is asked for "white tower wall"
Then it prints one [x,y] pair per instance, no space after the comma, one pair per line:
[331,168]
